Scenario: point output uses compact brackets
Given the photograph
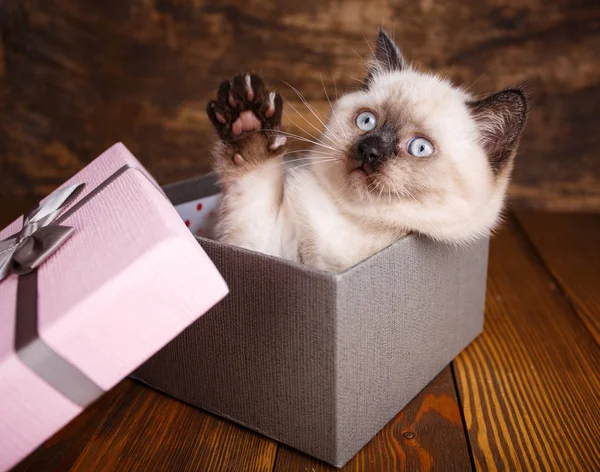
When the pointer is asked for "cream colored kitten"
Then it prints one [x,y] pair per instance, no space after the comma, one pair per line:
[408,153]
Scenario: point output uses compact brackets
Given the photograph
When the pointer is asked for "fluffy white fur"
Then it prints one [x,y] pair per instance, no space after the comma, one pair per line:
[326,216]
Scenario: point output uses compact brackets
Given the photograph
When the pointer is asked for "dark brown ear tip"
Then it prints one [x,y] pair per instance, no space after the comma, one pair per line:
[522,93]
[383,35]
[520,96]
[517,97]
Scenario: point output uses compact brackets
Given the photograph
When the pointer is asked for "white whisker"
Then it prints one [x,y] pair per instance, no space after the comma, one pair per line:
[333,113]
[309,159]
[313,111]
[334,86]
[289,118]
[369,45]
[354,78]
[311,163]
[361,58]
[301,138]
[311,151]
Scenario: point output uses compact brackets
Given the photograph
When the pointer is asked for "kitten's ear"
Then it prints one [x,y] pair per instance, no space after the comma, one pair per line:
[388,57]
[501,119]
[387,53]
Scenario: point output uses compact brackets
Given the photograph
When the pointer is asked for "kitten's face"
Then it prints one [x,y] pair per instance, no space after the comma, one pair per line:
[422,139]
[414,151]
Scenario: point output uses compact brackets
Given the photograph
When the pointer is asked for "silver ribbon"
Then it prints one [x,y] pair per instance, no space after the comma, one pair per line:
[40,236]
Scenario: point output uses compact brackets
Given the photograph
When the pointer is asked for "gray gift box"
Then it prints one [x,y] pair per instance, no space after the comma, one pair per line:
[318,360]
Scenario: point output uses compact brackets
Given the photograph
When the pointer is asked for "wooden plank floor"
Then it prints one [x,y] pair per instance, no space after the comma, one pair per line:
[524,396]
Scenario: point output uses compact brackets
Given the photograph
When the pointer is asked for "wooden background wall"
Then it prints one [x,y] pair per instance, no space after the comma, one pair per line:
[78,75]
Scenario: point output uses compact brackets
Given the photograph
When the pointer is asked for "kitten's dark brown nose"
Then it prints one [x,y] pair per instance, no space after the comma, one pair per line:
[370,151]
[373,148]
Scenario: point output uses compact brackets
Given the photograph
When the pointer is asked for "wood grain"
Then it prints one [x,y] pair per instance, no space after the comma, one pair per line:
[153,432]
[77,76]
[569,246]
[530,383]
[135,428]
[427,435]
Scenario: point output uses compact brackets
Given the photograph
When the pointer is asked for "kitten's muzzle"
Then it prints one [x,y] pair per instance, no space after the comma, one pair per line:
[374,148]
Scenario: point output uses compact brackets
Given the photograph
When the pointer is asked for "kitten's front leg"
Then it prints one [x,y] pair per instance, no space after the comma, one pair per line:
[248,161]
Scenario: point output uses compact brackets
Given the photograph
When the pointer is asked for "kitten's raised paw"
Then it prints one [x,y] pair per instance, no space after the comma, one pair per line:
[244,105]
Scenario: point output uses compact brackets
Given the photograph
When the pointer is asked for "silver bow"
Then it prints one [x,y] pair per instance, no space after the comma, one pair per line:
[40,236]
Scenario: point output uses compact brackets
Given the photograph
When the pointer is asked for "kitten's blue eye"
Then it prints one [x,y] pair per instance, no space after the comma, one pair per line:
[420,147]
[366,121]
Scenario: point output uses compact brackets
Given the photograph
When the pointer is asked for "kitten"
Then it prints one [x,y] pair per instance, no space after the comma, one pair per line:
[407,153]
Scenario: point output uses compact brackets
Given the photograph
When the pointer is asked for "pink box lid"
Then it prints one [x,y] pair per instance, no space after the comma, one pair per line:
[128,280]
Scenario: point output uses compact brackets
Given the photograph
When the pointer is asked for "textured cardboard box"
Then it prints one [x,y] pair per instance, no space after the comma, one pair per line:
[322,361]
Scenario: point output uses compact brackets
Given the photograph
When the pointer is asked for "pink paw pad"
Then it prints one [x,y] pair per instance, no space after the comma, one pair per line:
[247,121]
[238,160]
